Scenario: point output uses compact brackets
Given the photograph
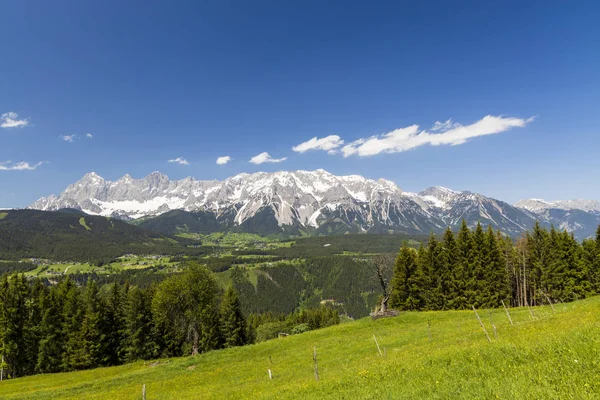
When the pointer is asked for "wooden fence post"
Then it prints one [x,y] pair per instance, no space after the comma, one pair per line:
[507,313]
[315,362]
[493,326]
[144,391]
[550,301]
[378,348]
[530,310]
[482,326]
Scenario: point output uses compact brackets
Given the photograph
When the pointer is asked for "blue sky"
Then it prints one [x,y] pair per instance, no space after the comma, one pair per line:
[158,81]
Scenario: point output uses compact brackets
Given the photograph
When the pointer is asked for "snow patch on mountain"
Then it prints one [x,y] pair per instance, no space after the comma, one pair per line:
[539,205]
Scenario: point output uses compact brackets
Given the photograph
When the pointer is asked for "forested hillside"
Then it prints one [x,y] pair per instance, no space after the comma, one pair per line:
[483,269]
[75,236]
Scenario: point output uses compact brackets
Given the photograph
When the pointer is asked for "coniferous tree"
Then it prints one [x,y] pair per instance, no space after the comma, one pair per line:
[14,295]
[478,293]
[51,348]
[497,286]
[34,320]
[403,296]
[140,343]
[114,327]
[90,352]
[72,318]
[462,293]
[421,281]
[440,275]
[539,264]
[233,323]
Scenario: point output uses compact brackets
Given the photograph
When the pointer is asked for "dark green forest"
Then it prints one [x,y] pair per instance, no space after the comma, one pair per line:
[67,327]
[484,268]
[71,236]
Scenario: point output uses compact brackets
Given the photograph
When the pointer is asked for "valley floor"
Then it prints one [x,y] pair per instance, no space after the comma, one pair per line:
[550,356]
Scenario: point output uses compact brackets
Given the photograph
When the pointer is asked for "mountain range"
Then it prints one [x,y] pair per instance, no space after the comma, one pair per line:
[308,202]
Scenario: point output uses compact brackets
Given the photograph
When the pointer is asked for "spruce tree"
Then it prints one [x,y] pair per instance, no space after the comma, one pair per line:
[35,314]
[496,287]
[114,327]
[51,348]
[140,343]
[14,295]
[462,292]
[90,352]
[72,316]
[402,295]
[478,295]
[233,323]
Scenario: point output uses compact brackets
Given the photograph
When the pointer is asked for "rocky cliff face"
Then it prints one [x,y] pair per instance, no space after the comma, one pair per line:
[311,201]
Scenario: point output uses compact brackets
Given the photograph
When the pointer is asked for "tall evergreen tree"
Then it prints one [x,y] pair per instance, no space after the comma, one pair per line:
[496,286]
[52,345]
[140,329]
[34,321]
[233,323]
[14,295]
[90,352]
[462,294]
[440,275]
[114,326]
[403,295]
[72,312]
[477,291]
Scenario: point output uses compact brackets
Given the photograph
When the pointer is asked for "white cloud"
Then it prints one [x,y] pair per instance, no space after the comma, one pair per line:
[223,160]
[328,143]
[180,161]
[444,126]
[266,158]
[69,138]
[19,166]
[11,120]
[89,135]
[451,133]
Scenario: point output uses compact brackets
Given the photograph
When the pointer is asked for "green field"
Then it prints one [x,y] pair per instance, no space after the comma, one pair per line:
[122,263]
[549,356]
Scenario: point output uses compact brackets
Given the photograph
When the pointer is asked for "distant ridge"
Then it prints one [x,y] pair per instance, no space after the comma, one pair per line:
[310,202]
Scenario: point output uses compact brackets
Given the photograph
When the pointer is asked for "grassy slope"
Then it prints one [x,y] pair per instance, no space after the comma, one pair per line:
[557,355]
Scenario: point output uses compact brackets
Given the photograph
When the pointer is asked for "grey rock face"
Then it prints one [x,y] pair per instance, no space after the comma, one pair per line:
[310,200]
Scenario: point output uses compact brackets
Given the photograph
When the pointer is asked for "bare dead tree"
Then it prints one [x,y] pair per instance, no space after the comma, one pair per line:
[384,265]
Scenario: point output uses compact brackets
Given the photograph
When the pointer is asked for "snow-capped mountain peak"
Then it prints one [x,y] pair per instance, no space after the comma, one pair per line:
[297,201]
[539,205]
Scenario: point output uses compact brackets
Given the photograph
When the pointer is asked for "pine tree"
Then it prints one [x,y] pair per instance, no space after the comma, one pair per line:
[233,323]
[402,295]
[496,280]
[421,281]
[479,257]
[90,351]
[52,343]
[35,313]
[114,327]
[540,263]
[140,329]
[72,318]
[14,295]
[462,293]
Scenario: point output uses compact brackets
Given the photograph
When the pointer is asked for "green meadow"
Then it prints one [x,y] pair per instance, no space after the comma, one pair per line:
[545,354]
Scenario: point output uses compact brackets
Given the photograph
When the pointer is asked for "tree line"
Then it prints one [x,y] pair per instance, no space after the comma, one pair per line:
[484,268]
[79,324]
[66,327]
